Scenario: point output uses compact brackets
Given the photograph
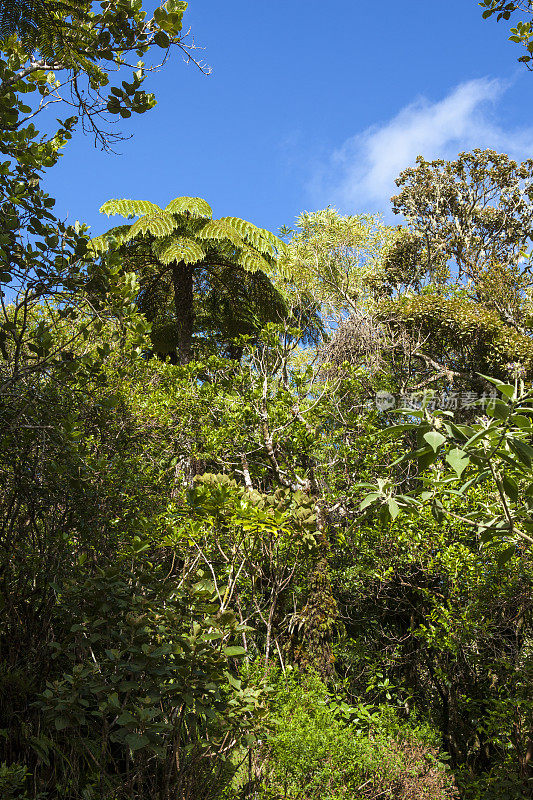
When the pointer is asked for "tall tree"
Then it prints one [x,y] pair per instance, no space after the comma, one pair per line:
[451,294]
[175,246]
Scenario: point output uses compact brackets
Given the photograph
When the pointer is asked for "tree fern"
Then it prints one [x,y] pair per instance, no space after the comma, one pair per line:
[195,206]
[176,249]
[158,225]
[251,261]
[261,239]
[101,244]
[218,230]
[129,208]
[184,240]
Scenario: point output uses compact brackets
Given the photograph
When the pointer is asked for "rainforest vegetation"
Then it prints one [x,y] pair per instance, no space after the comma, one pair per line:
[267,498]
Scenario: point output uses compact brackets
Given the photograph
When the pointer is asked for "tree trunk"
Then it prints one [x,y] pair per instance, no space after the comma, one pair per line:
[182,280]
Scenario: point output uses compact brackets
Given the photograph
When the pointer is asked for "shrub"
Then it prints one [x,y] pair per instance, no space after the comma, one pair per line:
[320,748]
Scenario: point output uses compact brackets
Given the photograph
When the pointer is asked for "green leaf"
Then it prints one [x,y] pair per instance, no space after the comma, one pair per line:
[522,450]
[162,39]
[498,409]
[136,741]
[522,422]
[437,509]
[220,231]
[458,460]
[261,239]
[510,487]
[434,439]
[370,498]
[394,429]
[235,651]
[100,244]
[394,508]
[251,261]
[506,555]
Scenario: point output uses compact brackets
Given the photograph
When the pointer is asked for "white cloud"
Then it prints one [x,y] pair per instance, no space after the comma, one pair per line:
[361,173]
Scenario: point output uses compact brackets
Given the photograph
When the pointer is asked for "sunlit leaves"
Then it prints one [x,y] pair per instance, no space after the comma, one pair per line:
[195,206]
[458,460]
[158,225]
[101,244]
[179,248]
[495,450]
[127,208]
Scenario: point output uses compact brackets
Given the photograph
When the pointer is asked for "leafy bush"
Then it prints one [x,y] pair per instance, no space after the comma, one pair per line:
[13,781]
[146,695]
[321,748]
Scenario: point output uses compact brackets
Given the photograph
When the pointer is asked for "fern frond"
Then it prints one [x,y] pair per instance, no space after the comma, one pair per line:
[128,208]
[51,27]
[250,260]
[179,248]
[261,239]
[100,244]
[159,225]
[278,244]
[220,231]
[195,206]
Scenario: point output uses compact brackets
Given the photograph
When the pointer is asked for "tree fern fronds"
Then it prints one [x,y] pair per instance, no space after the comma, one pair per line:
[278,244]
[219,230]
[261,239]
[159,225]
[179,249]
[51,27]
[196,206]
[100,244]
[250,260]
[128,208]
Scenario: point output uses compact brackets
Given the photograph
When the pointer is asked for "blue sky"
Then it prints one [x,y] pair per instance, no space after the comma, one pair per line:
[309,104]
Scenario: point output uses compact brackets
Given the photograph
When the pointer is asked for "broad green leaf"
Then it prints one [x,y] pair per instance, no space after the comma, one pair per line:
[481,434]
[525,423]
[370,498]
[506,555]
[497,409]
[394,508]
[505,388]
[136,741]
[232,652]
[510,487]
[434,439]
[522,450]
[394,429]
[437,509]
[458,460]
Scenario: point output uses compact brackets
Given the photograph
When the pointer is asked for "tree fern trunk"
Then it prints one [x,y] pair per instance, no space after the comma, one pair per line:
[182,279]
